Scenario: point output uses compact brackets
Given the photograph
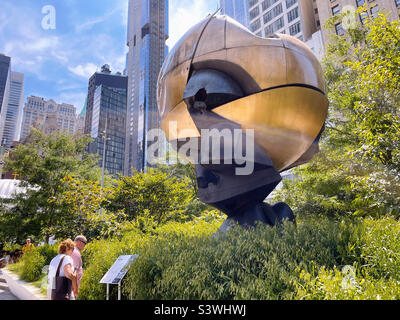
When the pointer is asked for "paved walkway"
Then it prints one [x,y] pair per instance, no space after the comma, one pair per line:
[5,293]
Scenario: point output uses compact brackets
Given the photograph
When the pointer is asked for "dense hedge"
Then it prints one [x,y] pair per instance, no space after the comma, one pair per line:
[185,261]
[317,259]
[98,256]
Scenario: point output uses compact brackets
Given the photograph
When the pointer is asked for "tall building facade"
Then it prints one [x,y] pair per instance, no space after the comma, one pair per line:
[108,127]
[5,70]
[106,78]
[14,104]
[298,18]
[236,9]
[5,77]
[147,33]
[327,9]
[47,115]
[294,17]
[105,117]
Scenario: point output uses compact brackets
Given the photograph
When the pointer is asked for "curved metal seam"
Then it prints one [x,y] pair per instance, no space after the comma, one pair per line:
[198,41]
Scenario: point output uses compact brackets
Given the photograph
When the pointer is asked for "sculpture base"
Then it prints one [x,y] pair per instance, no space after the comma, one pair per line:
[260,213]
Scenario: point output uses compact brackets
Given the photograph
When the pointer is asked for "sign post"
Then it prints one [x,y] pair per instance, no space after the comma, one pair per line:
[117,272]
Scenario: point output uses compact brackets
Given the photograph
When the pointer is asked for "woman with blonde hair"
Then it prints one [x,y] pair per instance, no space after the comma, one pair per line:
[62,279]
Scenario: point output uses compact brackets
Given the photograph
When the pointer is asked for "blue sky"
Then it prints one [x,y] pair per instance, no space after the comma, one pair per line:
[58,63]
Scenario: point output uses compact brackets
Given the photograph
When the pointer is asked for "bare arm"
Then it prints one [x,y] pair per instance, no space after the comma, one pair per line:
[72,276]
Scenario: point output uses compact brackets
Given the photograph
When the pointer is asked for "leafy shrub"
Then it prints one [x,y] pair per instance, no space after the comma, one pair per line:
[48,252]
[260,264]
[99,255]
[30,267]
[336,285]
[11,247]
[190,261]
[378,243]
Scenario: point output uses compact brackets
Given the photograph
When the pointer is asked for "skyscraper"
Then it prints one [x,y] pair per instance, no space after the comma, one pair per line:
[47,115]
[14,104]
[298,18]
[5,70]
[236,9]
[106,78]
[108,127]
[294,17]
[327,9]
[105,117]
[147,33]
[5,77]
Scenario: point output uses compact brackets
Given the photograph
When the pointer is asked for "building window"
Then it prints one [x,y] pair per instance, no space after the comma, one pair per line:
[275,26]
[360,3]
[254,13]
[374,10]
[335,10]
[255,25]
[277,10]
[397,2]
[293,14]
[269,30]
[363,17]
[278,24]
[290,3]
[267,17]
[294,29]
[268,3]
[252,3]
[339,29]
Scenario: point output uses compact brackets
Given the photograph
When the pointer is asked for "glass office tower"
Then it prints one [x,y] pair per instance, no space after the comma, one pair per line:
[14,103]
[236,9]
[109,116]
[4,76]
[147,33]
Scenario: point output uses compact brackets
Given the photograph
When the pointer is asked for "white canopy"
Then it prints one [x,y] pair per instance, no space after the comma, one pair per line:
[9,187]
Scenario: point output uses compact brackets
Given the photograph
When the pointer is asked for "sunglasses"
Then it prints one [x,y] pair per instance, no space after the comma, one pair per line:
[82,241]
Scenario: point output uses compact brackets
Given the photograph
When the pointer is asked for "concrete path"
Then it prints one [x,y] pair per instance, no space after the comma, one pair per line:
[5,293]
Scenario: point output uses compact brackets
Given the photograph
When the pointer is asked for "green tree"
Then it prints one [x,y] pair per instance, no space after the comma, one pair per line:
[358,169]
[41,163]
[363,78]
[183,170]
[153,194]
[83,214]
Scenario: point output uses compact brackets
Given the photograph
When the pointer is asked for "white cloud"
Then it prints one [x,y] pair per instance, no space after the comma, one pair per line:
[92,22]
[84,71]
[185,14]
[77,99]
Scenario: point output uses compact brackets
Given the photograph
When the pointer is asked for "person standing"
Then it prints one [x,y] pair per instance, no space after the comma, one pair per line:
[28,246]
[62,279]
[80,243]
